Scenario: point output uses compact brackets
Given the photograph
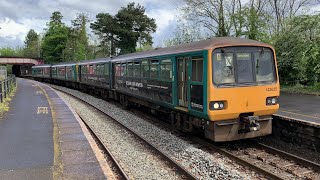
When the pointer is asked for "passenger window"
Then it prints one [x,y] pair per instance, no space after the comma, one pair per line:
[101,70]
[118,70]
[91,69]
[98,70]
[154,69]
[106,69]
[166,70]
[130,69]
[145,68]
[123,69]
[197,69]
[136,69]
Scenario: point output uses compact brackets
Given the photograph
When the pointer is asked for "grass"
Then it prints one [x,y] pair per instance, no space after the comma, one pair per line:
[4,107]
[301,89]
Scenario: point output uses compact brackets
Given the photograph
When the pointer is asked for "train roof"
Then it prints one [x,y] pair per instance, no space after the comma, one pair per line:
[41,66]
[94,61]
[65,64]
[192,47]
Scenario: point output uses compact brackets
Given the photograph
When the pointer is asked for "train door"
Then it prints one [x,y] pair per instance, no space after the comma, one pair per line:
[113,74]
[183,74]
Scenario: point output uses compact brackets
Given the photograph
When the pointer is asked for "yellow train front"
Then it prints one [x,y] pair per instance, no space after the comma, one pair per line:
[242,88]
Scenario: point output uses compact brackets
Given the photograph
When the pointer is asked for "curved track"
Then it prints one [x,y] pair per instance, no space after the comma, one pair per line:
[186,174]
[115,163]
[265,160]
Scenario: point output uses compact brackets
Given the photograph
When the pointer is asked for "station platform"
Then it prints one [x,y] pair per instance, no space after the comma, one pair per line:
[304,108]
[41,137]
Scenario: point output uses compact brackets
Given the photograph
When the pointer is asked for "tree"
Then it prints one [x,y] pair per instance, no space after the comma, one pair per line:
[298,51]
[135,27]
[106,27]
[185,33]
[129,27]
[77,46]
[55,39]
[284,10]
[212,14]
[31,43]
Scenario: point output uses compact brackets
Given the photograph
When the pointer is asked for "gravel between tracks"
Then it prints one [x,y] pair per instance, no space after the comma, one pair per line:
[201,163]
[135,158]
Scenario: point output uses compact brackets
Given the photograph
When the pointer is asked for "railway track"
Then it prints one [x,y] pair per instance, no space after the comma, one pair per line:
[120,173]
[174,164]
[268,161]
[263,159]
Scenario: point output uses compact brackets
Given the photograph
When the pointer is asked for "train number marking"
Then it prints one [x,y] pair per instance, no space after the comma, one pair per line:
[42,110]
[272,89]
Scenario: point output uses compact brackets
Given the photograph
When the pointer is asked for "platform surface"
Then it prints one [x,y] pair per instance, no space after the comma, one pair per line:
[42,138]
[301,107]
[26,143]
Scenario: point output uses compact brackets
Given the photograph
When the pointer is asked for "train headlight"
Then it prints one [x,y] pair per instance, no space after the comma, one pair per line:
[272,100]
[216,105]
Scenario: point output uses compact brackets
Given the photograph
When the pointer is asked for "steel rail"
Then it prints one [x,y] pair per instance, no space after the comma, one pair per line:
[297,159]
[112,158]
[186,174]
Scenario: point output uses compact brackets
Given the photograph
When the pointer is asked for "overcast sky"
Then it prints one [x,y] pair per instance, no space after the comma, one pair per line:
[17,17]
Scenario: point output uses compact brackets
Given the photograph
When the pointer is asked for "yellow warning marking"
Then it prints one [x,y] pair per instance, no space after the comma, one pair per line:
[42,110]
[39,92]
[300,114]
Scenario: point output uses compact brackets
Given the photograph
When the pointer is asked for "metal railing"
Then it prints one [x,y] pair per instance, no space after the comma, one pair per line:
[6,86]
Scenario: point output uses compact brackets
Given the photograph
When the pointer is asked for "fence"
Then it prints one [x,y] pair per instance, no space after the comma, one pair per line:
[3,72]
[6,86]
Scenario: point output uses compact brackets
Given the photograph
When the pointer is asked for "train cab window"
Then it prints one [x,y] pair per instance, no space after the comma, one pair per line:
[130,69]
[223,68]
[197,69]
[264,66]
[244,67]
[154,69]
[123,69]
[145,68]
[166,69]
[136,69]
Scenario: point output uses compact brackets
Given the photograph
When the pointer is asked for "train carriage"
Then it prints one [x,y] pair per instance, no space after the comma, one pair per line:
[95,73]
[42,72]
[225,88]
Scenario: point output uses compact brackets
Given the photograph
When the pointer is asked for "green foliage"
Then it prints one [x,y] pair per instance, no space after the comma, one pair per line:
[124,30]
[298,51]
[77,46]
[55,39]
[18,52]
[135,26]
[106,28]
[185,33]
[146,47]
[32,44]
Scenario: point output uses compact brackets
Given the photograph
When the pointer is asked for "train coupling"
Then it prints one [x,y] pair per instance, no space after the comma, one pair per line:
[250,123]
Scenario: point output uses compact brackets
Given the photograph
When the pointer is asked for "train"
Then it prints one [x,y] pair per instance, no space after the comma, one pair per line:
[224,88]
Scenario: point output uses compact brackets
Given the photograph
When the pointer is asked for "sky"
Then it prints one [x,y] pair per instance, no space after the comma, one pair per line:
[17,17]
